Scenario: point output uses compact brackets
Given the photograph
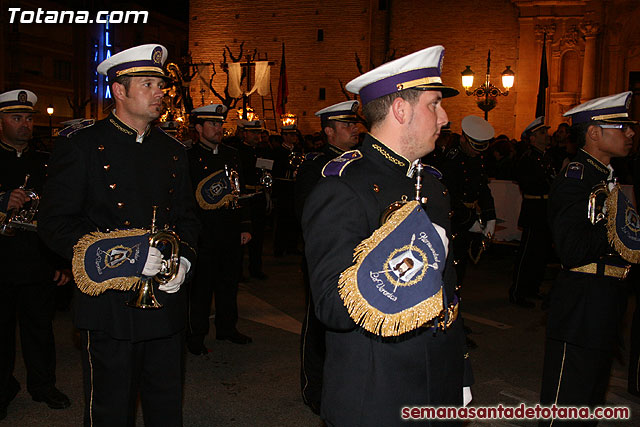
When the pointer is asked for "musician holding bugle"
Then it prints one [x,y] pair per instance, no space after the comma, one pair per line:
[109,181]
[28,280]
[596,231]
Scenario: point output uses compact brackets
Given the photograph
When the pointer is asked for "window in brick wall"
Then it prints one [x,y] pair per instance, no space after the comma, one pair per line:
[322,95]
[62,70]
[320,35]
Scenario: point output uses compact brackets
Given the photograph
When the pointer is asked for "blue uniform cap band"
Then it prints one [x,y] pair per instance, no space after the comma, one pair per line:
[397,82]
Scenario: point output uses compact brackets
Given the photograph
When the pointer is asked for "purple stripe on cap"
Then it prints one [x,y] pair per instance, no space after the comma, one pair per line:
[390,84]
[585,116]
[125,65]
[12,103]
[328,116]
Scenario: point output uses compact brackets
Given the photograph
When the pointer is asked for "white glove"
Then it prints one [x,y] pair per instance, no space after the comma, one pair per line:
[490,229]
[476,227]
[173,286]
[154,262]
[443,236]
[466,396]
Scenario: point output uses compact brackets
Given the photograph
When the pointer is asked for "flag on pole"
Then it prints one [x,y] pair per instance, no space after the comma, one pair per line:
[544,81]
[283,88]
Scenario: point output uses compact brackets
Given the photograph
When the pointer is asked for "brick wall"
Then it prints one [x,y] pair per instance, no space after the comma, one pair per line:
[466,31]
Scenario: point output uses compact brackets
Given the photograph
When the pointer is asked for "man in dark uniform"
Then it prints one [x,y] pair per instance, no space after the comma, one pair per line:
[339,124]
[215,172]
[463,171]
[534,173]
[27,283]
[287,159]
[368,379]
[107,177]
[588,296]
[254,182]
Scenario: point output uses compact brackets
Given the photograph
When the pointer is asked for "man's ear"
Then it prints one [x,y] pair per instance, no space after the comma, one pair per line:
[329,131]
[118,90]
[199,128]
[594,132]
[400,110]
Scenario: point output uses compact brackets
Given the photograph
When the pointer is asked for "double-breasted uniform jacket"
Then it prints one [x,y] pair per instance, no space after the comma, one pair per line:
[467,180]
[585,309]
[25,256]
[102,179]
[534,174]
[310,173]
[368,380]
[223,221]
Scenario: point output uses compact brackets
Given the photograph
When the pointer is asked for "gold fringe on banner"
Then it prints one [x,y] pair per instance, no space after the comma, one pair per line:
[628,254]
[369,317]
[224,202]
[80,276]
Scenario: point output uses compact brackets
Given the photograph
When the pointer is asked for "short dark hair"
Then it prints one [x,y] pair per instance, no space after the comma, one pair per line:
[124,81]
[579,131]
[375,111]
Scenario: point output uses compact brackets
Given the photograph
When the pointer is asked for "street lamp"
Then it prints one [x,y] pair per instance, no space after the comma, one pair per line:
[50,113]
[487,93]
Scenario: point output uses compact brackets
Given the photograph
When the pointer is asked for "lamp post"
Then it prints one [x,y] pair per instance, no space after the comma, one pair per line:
[487,93]
[50,113]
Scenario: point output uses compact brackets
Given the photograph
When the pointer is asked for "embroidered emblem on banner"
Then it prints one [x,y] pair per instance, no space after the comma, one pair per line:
[395,285]
[113,260]
[214,191]
[623,225]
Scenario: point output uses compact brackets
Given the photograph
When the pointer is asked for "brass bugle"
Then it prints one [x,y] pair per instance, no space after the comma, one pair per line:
[21,219]
[144,297]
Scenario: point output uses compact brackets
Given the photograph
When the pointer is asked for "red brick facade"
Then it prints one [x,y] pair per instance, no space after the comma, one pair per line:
[467,29]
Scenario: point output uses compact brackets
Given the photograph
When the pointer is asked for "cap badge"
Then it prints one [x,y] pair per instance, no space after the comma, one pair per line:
[219,109]
[156,55]
[22,96]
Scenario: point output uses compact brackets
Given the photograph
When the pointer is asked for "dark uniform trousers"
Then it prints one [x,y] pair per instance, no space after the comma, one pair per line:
[33,305]
[217,271]
[102,178]
[534,174]
[312,336]
[118,369]
[27,291]
[219,252]
[531,260]
[257,207]
[258,214]
[286,228]
[367,380]
[585,310]
[573,376]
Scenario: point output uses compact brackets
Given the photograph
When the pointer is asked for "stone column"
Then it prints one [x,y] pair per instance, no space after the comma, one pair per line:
[590,30]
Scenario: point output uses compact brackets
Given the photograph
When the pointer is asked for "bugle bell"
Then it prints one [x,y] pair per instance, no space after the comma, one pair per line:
[23,218]
[596,211]
[144,297]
